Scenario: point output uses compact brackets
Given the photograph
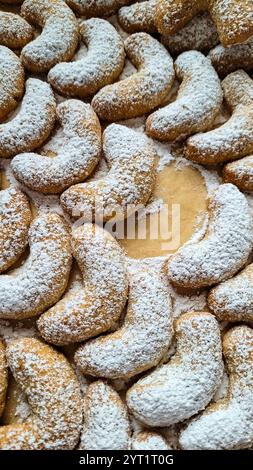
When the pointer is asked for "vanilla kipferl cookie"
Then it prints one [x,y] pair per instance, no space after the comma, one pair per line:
[228,59]
[59,38]
[106,424]
[12,81]
[198,101]
[78,154]
[43,277]
[3,377]
[240,173]
[101,65]
[15,219]
[143,338]
[15,31]
[53,394]
[225,247]
[186,384]
[234,139]
[138,17]
[232,300]
[142,91]
[148,440]
[93,309]
[228,423]
[233,18]
[93,8]
[32,125]
[129,183]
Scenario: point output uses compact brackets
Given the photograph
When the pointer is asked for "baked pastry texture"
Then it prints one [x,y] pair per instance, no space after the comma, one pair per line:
[228,59]
[240,173]
[3,377]
[15,31]
[149,440]
[12,81]
[94,8]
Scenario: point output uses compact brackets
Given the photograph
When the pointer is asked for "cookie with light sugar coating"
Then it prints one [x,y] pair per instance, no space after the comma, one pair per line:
[93,8]
[240,173]
[94,308]
[138,17]
[42,279]
[106,425]
[224,249]
[53,394]
[233,18]
[142,91]
[58,39]
[129,183]
[77,155]
[33,123]
[12,81]
[228,424]
[15,31]
[137,345]
[185,385]
[15,219]
[3,377]
[197,104]
[148,440]
[228,59]
[101,66]
[231,140]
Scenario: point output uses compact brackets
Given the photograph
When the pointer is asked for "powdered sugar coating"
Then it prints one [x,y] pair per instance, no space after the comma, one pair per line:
[240,173]
[106,425]
[142,91]
[59,38]
[79,152]
[186,384]
[148,440]
[43,277]
[12,80]
[15,32]
[53,393]
[33,123]
[101,66]
[92,309]
[92,8]
[131,158]
[198,101]
[3,377]
[228,59]
[15,219]
[234,139]
[138,17]
[224,249]
[228,424]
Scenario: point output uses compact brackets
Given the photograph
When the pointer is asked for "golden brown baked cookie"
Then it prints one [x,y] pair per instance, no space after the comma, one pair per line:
[234,139]
[12,81]
[43,277]
[185,385]
[78,153]
[142,91]
[3,377]
[240,173]
[197,104]
[94,308]
[101,65]
[228,423]
[224,249]
[129,183]
[15,31]
[32,125]
[228,59]
[59,38]
[138,17]
[53,393]
[93,8]
[233,18]
[149,440]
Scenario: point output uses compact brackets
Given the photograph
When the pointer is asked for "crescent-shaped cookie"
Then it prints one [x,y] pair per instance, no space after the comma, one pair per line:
[15,219]
[234,139]
[225,247]
[233,18]
[93,8]
[78,154]
[149,440]
[228,59]
[106,424]
[101,66]
[142,91]
[32,125]
[138,17]
[129,183]
[143,338]
[198,101]
[12,81]
[228,424]
[3,377]
[59,38]
[94,308]
[15,31]
[53,394]
[240,173]
[43,277]
[186,384]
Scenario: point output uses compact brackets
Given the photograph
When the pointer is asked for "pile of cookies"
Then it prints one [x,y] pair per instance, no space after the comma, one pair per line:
[98,356]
